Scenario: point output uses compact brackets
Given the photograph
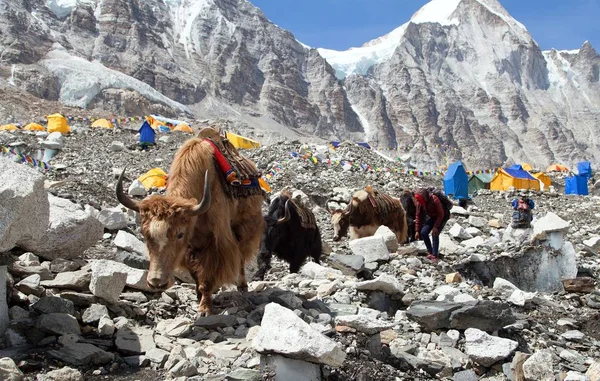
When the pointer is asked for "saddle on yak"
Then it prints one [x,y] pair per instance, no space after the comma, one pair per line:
[382,203]
[240,176]
[307,218]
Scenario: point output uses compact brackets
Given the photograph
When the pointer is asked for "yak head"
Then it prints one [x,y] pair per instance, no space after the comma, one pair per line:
[167,224]
[279,210]
[340,220]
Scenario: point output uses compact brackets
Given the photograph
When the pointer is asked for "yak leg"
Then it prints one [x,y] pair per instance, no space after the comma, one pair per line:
[264,264]
[205,291]
[242,284]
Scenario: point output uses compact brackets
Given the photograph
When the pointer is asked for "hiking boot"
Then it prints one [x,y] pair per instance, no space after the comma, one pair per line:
[432,258]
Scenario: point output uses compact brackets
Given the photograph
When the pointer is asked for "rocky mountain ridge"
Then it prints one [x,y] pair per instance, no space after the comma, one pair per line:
[461,80]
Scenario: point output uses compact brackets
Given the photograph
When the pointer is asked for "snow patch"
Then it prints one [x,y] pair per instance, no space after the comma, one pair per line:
[12,75]
[63,8]
[304,45]
[437,11]
[359,60]
[81,81]
[363,121]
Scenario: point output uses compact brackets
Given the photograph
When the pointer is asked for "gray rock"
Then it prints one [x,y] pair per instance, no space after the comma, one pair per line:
[316,271]
[70,232]
[573,335]
[178,327]
[9,370]
[117,146]
[504,285]
[137,189]
[94,313]
[458,232]
[184,369]
[575,376]
[107,282]
[487,350]
[432,315]
[478,222]
[466,375]
[348,264]
[30,285]
[134,340]
[363,323]
[288,300]
[60,265]
[389,237]
[157,356]
[82,354]
[547,224]
[3,303]
[485,315]
[285,333]
[53,304]
[216,321]
[136,361]
[23,205]
[58,324]
[243,374]
[112,218]
[539,367]
[129,242]
[373,249]
[106,327]
[134,260]
[63,374]
[431,367]
[54,140]
[386,283]
[338,309]
[74,280]
[287,369]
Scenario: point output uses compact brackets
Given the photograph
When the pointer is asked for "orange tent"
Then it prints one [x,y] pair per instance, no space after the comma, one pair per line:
[557,168]
[183,127]
[9,127]
[34,127]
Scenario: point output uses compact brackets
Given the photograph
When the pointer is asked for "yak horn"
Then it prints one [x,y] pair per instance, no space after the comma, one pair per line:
[122,197]
[203,206]
[287,216]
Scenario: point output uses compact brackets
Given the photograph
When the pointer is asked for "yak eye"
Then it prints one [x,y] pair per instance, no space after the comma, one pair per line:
[180,236]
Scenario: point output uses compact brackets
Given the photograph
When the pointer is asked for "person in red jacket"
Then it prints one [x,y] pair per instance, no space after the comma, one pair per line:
[437,216]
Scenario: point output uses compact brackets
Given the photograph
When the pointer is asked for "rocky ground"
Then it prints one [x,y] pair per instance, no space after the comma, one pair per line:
[501,304]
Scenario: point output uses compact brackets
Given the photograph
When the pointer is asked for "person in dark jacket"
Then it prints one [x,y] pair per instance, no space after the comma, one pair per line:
[522,212]
[437,216]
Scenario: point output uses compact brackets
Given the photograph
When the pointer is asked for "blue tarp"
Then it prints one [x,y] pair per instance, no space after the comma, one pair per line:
[363,144]
[584,169]
[456,181]
[519,173]
[147,134]
[576,185]
[517,167]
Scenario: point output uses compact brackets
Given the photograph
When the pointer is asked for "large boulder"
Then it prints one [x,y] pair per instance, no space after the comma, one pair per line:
[71,231]
[24,210]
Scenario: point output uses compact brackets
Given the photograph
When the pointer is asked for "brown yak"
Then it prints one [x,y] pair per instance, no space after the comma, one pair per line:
[366,212]
[212,239]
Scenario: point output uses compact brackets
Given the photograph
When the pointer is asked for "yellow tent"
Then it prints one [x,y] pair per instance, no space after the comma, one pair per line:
[241,142]
[34,127]
[9,127]
[557,168]
[544,179]
[183,127]
[155,177]
[155,123]
[58,123]
[103,123]
[527,167]
[519,179]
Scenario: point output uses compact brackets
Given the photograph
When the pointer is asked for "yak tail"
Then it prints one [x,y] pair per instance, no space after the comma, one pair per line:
[403,227]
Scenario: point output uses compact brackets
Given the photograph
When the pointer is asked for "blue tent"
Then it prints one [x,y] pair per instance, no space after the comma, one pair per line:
[147,134]
[456,181]
[516,167]
[584,169]
[576,185]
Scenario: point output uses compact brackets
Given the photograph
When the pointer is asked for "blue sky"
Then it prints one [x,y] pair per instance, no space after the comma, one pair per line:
[340,24]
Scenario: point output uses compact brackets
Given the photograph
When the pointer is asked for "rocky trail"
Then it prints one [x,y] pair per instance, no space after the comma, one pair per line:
[502,303]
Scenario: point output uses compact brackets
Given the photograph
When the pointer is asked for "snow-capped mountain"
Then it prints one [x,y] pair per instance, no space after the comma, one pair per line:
[461,79]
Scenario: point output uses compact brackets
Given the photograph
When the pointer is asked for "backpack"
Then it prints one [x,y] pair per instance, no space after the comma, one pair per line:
[446,203]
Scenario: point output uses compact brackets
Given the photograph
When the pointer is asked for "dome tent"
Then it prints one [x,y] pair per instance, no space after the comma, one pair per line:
[58,123]
[103,123]
[34,127]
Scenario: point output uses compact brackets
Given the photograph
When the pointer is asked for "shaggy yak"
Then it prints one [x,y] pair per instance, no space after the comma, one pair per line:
[408,202]
[213,238]
[291,233]
[366,212]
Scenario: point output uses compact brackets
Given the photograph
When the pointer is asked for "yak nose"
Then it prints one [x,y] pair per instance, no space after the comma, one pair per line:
[157,283]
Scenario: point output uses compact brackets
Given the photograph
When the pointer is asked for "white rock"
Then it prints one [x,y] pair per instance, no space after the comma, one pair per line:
[129,242]
[137,189]
[473,242]
[386,283]
[106,327]
[107,282]
[24,204]
[389,237]
[473,231]
[538,367]
[112,218]
[373,249]
[70,232]
[63,374]
[575,376]
[363,323]
[54,140]
[504,285]
[285,333]
[478,222]
[316,271]
[458,232]
[593,243]
[329,288]
[446,290]
[9,370]
[117,146]
[3,303]
[547,224]
[459,210]
[447,245]
[487,350]
[519,298]
[136,278]
[463,298]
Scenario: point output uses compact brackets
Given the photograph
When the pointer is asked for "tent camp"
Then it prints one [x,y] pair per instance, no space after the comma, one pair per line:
[584,169]
[9,127]
[545,181]
[456,181]
[480,181]
[183,127]
[517,178]
[557,168]
[241,142]
[58,123]
[576,185]
[34,127]
[103,123]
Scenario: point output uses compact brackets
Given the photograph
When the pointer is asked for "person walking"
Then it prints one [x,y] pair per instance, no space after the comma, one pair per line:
[437,216]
